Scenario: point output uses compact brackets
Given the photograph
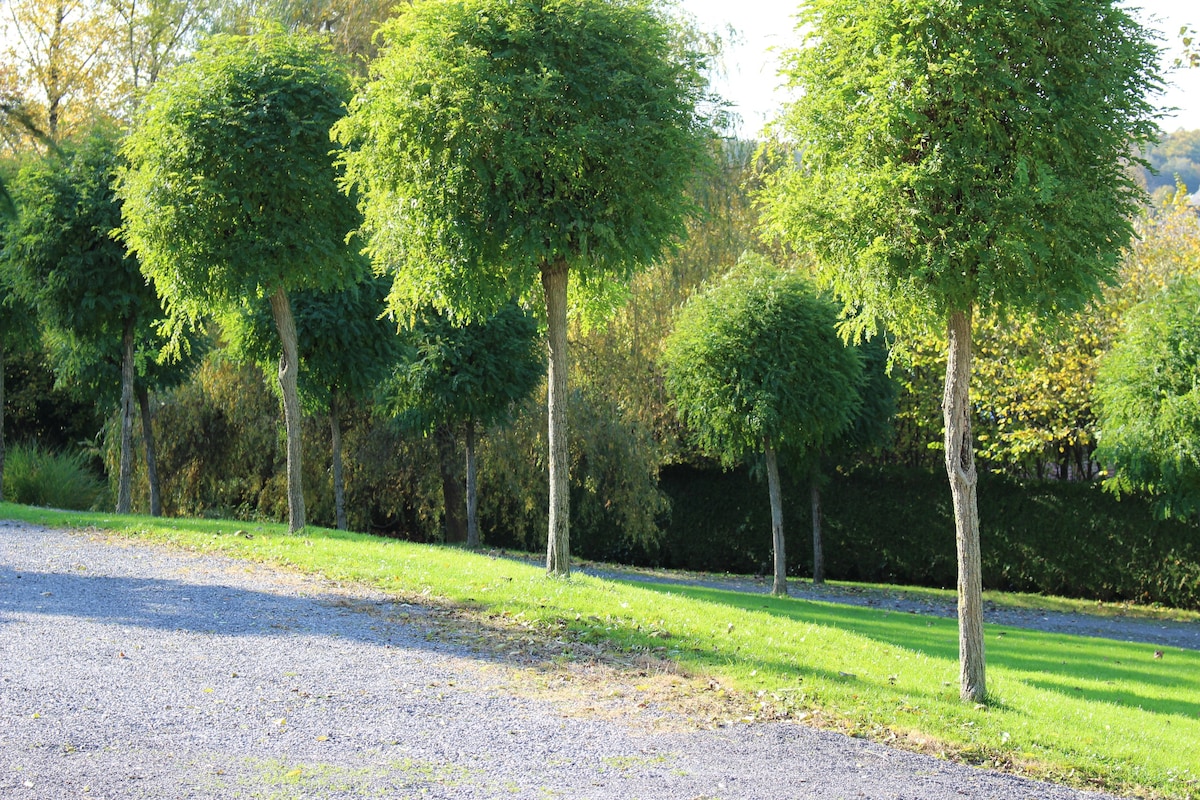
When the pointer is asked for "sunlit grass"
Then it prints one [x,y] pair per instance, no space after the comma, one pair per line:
[1086,711]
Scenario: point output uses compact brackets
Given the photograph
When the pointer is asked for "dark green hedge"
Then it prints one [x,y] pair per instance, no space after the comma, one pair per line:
[1054,537]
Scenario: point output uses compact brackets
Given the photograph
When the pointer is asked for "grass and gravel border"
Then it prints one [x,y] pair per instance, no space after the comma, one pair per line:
[1087,712]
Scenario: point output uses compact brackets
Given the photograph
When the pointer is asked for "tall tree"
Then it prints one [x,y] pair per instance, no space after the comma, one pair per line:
[957,156]
[756,367]
[231,191]
[458,379]
[346,348]
[500,146]
[66,263]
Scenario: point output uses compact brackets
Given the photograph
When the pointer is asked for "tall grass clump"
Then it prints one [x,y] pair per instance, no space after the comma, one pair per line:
[37,476]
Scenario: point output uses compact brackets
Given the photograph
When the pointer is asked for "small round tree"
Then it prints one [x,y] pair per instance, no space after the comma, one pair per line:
[231,191]
[501,147]
[464,378]
[1149,402]
[755,365]
[86,288]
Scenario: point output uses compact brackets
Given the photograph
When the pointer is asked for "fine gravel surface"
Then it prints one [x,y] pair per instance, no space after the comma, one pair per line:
[133,671]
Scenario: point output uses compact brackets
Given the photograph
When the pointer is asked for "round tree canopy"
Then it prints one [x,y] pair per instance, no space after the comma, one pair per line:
[757,357]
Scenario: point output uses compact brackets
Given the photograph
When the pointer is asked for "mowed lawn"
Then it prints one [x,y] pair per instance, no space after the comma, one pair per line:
[1089,712]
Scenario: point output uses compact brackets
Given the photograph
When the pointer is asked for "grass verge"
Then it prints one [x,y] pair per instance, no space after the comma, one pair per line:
[1087,712]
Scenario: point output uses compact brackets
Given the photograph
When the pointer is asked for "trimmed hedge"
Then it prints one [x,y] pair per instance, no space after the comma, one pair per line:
[1054,537]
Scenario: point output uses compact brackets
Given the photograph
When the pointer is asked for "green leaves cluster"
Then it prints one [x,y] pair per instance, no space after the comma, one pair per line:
[473,372]
[496,137]
[1149,398]
[232,191]
[756,358]
[954,153]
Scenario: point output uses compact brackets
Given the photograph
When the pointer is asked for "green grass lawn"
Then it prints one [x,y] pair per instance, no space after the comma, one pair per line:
[1088,712]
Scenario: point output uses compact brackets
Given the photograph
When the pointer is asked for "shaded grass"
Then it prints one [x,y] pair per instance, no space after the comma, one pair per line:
[1084,711]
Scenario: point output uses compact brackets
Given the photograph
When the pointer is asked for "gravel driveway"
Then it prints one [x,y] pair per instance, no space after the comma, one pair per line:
[130,671]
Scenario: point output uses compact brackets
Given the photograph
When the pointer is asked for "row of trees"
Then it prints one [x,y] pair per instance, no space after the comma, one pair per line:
[494,152]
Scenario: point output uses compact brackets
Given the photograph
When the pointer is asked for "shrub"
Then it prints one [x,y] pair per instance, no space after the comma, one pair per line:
[37,476]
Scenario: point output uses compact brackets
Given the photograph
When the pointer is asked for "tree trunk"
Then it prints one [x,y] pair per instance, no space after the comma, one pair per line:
[1,422]
[960,468]
[339,487]
[814,490]
[452,489]
[780,585]
[125,471]
[143,397]
[289,366]
[472,488]
[558,542]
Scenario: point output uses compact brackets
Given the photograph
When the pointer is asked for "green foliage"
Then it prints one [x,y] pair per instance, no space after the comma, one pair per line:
[756,358]
[1150,401]
[37,476]
[616,503]
[346,344]
[60,253]
[472,372]
[231,190]
[955,154]
[496,137]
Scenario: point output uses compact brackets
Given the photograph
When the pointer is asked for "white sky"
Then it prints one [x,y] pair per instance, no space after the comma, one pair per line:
[763,27]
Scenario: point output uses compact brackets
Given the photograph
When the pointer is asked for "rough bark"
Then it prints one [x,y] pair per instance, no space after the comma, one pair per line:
[125,471]
[780,584]
[558,547]
[472,488]
[143,398]
[339,486]
[960,468]
[289,365]
[814,491]
[452,488]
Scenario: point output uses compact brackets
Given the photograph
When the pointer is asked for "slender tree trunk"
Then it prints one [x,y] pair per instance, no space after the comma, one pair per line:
[960,467]
[143,398]
[814,491]
[1,422]
[289,366]
[780,585]
[339,487]
[472,488]
[558,542]
[452,489]
[125,471]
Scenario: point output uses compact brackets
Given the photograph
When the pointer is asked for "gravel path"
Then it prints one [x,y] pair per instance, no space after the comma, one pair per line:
[129,671]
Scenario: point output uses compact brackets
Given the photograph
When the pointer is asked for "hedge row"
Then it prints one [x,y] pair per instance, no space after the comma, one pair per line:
[1060,538]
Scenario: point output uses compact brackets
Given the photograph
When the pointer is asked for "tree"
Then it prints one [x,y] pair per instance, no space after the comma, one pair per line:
[346,348]
[58,48]
[231,191]
[501,145]
[756,366]
[1149,402]
[463,378]
[957,157]
[87,289]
